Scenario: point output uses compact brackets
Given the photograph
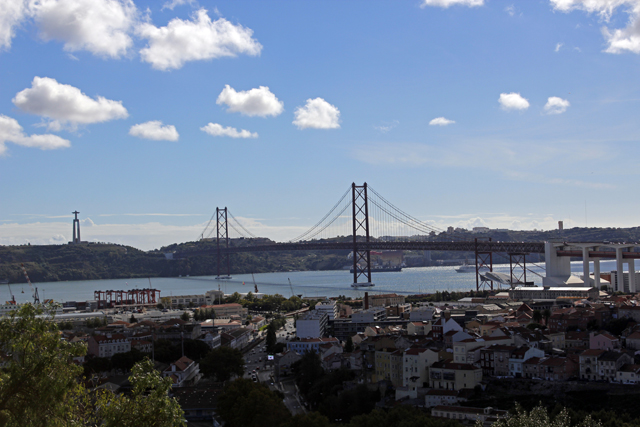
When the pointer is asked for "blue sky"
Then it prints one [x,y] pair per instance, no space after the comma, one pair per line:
[147,116]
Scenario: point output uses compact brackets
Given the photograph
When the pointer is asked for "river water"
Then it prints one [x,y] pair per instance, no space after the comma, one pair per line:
[307,283]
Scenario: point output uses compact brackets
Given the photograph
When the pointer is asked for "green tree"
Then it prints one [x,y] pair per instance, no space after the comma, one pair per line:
[39,383]
[244,403]
[349,345]
[546,313]
[148,405]
[308,370]
[539,417]
[271,337]
[221,363]
[185,316]
[537,316]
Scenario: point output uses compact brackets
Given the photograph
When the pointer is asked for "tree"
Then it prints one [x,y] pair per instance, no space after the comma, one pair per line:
[547,314]
[244,403]
[221,363]
[39,383]
[539,417]
[185,316]
[349,345]
[148,405]
[307,371]
[537,316]
[271,337]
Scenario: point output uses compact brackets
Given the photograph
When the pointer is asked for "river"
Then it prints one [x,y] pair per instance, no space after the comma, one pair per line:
[409,281]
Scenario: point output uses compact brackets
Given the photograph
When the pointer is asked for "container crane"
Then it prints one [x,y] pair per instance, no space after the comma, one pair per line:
[290,285]
[36,298]
[13,299]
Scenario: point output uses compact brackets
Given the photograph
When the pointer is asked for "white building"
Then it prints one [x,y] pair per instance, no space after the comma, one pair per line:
[370,315]
[108,345]
[422,314]
[329,307]
[183,372]
[312,325]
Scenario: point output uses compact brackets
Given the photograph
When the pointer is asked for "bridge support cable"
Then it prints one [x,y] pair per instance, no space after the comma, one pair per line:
[360,221]
[341,206]
[246,234]
[222,235]
[484,259]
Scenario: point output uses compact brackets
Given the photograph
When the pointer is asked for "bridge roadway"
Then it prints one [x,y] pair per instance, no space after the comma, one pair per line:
[465,246]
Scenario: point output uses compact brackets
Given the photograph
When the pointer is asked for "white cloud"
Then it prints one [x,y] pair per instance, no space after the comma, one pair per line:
[447,3]
[200,39]
[558,47]
[100,26]
[12,14]
[11,131]
[66,104]
[619,40]
[317,114]
[154,130]
[172,4]
[511,10]
[255,102]
[387,126]
[556,105]
[441,121]
[215,129]
[513,101]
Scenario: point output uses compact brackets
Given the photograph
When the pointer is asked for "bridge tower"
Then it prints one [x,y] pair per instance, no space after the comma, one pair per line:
[484,259]
[222,233]
[360,219]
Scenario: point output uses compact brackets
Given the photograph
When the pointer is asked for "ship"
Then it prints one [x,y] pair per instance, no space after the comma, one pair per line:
[381,269]
[470,268]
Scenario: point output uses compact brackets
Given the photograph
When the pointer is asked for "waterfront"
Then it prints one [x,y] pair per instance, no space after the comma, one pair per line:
[308,283]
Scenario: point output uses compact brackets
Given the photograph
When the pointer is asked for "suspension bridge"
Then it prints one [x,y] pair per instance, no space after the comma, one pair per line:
[363,221]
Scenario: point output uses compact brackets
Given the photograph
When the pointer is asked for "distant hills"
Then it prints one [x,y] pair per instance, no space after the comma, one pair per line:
[93,261]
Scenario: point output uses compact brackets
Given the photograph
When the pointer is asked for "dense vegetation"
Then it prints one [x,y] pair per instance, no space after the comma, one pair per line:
[109,261]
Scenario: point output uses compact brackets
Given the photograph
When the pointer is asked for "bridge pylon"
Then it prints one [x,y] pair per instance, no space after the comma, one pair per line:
[484,259]
[360,219]
[222,236]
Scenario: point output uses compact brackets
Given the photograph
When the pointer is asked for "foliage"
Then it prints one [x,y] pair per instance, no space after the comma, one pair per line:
[271,339]
[125,361]
[349,403]
[400,416]
[534,326]
[348,348]
[185,316]
[96,322]
[539,417]
[308,370]
[148,405]
[244,403]
[310,419]
[537,316]
[222,363]
[203,314]
[38,384]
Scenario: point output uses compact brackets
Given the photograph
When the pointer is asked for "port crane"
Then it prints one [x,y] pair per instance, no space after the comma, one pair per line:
[36,298]
[290,285]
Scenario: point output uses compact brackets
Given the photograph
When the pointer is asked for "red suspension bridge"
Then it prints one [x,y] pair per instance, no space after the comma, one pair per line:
[364,221]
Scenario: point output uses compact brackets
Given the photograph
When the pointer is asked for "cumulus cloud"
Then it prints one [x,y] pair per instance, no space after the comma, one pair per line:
[513,101]
[317,114]
[199,39]
[446,3]
[558,47]
[154,130]
[215,129]
[441,121]
[13,12]
[386,127]
[556,105]
[255,102]
[101,27]
[619,40]
[11,131]
[66,104]
[511,10]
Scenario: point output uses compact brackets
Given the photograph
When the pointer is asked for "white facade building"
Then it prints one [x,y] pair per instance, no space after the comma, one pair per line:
[312,325]
[329,307]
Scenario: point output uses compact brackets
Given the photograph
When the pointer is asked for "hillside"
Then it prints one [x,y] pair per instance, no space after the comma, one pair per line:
[109,261]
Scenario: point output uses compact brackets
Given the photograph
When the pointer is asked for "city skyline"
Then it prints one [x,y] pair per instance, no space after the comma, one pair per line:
[146,116]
